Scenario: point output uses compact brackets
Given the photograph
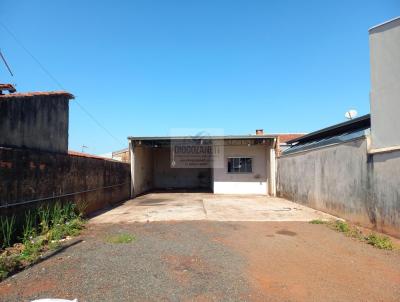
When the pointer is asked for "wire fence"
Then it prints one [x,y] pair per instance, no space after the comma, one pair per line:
[26,202]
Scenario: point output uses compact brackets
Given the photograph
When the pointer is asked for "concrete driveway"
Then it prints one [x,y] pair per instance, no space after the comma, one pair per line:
[207,206]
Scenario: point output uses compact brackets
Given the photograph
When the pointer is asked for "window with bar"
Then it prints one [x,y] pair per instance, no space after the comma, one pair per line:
[240,165]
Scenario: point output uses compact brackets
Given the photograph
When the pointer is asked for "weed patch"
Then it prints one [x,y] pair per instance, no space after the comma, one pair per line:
[42,229]
[376,240]
[121,238]
[317,221]
[341,226]
[379,241]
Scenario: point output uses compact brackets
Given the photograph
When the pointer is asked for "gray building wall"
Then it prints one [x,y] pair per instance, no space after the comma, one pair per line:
[345,181]
[385,87]
[35,121]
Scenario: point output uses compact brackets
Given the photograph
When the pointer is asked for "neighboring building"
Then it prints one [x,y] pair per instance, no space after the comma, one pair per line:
[283,138]
[385,86]
[121,155]
[330,136]
[239,164]
[81,154]
[352,169]
[35,120]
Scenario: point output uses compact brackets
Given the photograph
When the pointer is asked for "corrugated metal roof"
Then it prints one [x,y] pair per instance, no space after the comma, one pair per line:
[328,141]
[362,122]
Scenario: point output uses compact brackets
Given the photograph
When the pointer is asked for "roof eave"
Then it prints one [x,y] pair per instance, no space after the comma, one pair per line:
[359,122]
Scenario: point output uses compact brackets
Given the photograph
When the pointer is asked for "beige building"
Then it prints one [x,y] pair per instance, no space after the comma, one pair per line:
[220,164]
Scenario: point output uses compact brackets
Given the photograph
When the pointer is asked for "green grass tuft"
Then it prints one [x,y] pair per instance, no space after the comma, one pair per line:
[341,226]
[7,230]
[317,221]
[121,238]
[379,241]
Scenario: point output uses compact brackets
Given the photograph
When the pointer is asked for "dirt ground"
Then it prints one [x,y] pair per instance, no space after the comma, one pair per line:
[212,261]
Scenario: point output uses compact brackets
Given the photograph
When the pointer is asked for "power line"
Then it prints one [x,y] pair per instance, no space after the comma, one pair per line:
[57,82]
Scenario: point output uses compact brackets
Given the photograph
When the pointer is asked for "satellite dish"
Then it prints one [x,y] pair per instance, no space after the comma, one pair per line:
[352,113]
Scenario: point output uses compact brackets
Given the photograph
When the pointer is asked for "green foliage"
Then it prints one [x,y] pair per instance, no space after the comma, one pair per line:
[42,229]
[29,227]
[32,249]
[44,214]
[7,230]
[121,238]
[317,221]
[8,264]
[69,228]
[341,226]
[376,240]
[379,241]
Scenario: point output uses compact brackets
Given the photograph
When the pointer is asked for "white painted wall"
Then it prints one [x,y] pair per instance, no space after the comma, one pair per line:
[243,183]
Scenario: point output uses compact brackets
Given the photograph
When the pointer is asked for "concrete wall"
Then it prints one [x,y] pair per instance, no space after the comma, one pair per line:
[143,169]
[345,181]
[385,88]
[36,122]
[243,183]
[27,175]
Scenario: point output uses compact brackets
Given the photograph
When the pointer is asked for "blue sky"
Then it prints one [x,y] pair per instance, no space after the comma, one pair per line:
[145,67]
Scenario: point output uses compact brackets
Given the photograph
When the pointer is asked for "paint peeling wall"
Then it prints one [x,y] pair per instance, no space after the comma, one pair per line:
[27,175]
[344,180]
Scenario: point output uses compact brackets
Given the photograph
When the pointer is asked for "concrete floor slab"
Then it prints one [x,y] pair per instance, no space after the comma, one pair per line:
[207,206]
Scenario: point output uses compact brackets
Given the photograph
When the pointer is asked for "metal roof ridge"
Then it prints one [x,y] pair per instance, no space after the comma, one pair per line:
[384,23]
[331,128]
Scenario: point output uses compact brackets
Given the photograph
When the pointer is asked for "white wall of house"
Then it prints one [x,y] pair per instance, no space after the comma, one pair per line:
[255,182]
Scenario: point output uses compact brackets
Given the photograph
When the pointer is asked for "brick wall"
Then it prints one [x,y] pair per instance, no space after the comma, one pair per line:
[27,175]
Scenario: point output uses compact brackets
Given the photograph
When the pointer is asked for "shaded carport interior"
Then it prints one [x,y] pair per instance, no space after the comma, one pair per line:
[151,169]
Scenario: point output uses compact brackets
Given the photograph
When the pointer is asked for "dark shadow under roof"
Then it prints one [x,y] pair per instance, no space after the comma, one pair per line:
[359,123]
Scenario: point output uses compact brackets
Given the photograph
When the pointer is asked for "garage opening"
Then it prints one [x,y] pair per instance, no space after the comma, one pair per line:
[154,171]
